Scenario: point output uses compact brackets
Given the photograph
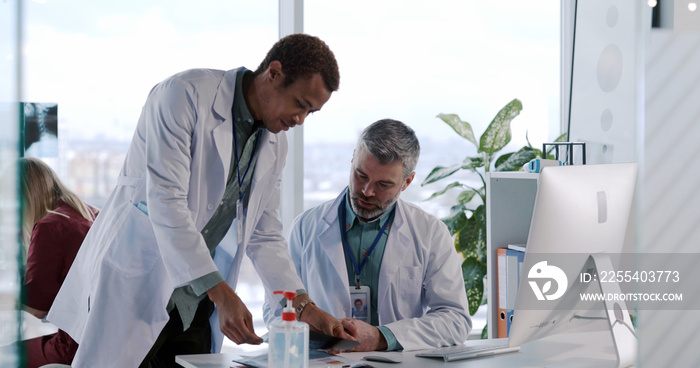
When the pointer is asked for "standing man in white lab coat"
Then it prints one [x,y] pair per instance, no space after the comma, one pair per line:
[370,248]
[199,189]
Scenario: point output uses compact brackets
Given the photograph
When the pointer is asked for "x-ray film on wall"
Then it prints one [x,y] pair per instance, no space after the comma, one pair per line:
[39,124]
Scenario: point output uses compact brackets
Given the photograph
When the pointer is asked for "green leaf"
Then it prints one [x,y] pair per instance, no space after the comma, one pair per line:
[473,272]
[471,240]
[448,187]
[466,196]
[440,172]
[502,159]
[458,208]
[461,127]
[488,158]
[474,296]
[480,216]
[485,332]
[516,160]
[498,134]
[472,163]
[455,221]
[466,240]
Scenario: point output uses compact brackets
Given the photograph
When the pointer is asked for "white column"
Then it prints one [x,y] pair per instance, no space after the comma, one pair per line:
[291,20]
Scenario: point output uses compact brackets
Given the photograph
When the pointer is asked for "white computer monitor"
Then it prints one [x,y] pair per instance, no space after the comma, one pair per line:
[580,211]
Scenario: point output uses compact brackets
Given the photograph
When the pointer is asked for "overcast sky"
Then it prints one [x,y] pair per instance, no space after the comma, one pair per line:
[408,60]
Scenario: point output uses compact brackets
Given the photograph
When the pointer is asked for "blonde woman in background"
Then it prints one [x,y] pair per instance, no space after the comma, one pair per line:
[54,224]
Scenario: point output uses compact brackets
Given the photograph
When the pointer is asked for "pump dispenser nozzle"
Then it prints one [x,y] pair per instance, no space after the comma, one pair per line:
[288,314]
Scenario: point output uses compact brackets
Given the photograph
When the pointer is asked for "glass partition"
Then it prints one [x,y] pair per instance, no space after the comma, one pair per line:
[10,16]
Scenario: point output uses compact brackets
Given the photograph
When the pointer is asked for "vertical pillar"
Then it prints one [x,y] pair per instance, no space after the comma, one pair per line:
[291,20]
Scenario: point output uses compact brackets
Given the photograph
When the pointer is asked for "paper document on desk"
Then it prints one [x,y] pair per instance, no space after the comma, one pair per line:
[317,359]
[319,345]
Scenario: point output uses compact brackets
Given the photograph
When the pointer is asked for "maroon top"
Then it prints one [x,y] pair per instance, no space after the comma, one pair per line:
[53,246]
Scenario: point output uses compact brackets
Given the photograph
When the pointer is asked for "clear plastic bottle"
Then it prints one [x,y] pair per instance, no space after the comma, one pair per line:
[288,339]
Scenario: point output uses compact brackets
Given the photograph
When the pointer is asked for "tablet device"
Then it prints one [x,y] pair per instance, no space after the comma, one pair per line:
[321,341]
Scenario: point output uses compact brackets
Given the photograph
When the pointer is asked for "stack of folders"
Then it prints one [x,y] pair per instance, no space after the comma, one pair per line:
[510,261]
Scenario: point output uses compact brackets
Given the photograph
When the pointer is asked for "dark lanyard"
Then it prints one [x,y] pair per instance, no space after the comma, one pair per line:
[238,161]
[344,238]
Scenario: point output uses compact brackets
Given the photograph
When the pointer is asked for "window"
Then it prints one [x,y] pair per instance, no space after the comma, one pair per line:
[411,60]
[99,60]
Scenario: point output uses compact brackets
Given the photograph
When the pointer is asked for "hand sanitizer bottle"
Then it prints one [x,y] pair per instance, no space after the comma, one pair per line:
[288,339]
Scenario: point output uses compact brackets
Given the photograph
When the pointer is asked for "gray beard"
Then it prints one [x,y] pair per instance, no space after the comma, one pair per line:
[365,215]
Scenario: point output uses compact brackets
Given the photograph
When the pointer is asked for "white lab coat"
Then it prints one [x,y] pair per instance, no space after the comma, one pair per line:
[421,296]
[113,301]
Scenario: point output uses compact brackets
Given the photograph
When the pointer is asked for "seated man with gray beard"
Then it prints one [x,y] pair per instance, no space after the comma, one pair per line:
[368,244]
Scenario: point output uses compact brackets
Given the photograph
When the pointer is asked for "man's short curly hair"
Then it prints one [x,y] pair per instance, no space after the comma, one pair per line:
[302,55]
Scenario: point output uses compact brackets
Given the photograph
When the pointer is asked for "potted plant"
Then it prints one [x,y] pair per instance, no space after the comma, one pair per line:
[467,219]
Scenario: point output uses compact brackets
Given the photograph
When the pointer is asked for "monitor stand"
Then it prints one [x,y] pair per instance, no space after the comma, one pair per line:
[624,339]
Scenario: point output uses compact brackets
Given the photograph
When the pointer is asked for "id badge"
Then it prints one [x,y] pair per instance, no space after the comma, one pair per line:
[360,299]
[239,221]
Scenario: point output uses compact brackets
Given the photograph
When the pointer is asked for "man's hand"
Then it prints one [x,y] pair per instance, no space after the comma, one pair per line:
[235,320]
[370,337]
[320,320]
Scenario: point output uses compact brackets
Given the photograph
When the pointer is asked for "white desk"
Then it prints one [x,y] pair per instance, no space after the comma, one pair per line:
[585,349]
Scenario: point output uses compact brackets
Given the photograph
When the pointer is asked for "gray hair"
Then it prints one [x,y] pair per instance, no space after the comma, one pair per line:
[391,140]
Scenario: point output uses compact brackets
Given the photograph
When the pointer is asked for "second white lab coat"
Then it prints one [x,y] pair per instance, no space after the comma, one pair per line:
[113,301]
[421,296]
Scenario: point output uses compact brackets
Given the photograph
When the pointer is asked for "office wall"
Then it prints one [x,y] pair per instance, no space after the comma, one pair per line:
[605,79]
[670,176]
[666,146]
